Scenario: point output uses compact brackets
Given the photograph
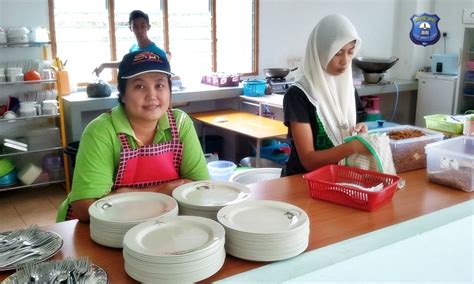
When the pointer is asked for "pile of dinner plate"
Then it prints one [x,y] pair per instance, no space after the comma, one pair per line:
[264,230]
[174,249]
[205,198]
[112,216]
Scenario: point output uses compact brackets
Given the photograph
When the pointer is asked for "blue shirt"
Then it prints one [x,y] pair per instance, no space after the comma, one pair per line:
[152,47]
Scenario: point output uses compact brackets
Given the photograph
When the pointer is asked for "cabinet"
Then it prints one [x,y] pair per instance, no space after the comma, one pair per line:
[436,94]
[42,135]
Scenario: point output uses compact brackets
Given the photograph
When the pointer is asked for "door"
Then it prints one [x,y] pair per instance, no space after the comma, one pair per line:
[435,96]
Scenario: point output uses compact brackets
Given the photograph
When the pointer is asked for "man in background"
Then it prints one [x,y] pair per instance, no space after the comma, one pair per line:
[139,24]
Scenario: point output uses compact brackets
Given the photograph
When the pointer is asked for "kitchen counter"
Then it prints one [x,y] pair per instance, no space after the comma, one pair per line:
[364,89]
[276,100]
[79,109]
[330,224]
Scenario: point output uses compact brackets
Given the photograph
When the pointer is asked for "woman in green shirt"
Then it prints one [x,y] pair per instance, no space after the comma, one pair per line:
[142,144]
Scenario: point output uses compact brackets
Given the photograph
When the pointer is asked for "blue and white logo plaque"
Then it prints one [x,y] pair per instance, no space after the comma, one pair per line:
[424,29]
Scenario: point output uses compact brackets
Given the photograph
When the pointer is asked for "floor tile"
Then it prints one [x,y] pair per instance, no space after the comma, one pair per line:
[11,223]
[7,209]
[33,205]
[40,218]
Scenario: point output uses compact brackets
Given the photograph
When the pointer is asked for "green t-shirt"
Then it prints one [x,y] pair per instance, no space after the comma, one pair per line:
[98,157]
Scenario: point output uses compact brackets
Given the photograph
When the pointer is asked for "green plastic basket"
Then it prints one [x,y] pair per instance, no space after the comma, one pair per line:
[440,122]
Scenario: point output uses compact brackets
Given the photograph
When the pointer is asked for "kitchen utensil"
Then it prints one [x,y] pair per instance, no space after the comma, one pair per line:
[9,179]
[6,166]
[374,64]
[278,72]
[98,89]
[39,34]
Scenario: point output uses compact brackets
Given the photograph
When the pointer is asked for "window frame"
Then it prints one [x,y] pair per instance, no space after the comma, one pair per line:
[166,42]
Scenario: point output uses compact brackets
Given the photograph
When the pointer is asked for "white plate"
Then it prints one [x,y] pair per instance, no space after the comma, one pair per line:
[174,236]
[132,206]
[211,194]
[263,217]
[255,175]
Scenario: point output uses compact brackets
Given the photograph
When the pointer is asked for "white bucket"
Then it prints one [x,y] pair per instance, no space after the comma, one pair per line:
[221,170]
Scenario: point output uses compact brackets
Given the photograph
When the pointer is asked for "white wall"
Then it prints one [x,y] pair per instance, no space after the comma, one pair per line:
[383,25]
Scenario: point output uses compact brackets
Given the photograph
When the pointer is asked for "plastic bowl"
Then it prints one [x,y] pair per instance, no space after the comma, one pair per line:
[221,170]
[6,166]
[9,179]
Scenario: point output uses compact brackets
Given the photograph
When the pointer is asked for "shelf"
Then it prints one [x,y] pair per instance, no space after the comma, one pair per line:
[28,117]
[24,44]
[16,186]
[30,152]
[28,82]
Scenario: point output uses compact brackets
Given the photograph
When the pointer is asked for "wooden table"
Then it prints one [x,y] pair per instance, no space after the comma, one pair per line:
[329,223]
[248,124]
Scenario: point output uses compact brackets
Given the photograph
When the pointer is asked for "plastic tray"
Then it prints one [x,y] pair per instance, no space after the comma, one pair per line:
[323,184]
[440,122]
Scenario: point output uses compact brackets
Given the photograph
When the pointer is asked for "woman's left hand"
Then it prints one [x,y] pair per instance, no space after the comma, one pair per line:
[360,128]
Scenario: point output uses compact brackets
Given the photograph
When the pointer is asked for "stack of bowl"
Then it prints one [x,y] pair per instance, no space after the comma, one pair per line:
[8,173]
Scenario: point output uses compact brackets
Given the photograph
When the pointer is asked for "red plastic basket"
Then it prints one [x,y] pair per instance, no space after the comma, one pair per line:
[323,184]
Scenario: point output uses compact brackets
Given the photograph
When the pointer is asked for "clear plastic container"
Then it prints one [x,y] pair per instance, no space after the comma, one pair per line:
[409,154]
[221,170]
[450,162]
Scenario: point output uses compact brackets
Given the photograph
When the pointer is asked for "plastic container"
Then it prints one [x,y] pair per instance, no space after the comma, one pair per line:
[254,88]
[450,162]
[444,122]
[249,176]
[324,184]
[221,170]
[29,173]
[409,154]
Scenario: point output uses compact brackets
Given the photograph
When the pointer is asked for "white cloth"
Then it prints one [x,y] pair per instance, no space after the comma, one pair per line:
[380,160]
[333,96]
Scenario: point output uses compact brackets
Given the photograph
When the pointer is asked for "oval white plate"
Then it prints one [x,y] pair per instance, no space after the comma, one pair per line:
[211,194]
[174,236]
[262,217]
[132,206]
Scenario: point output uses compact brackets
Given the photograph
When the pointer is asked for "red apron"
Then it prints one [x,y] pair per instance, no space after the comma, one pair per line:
[148,165]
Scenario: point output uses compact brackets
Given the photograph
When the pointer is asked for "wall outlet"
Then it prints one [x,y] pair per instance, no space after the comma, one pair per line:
[468,16]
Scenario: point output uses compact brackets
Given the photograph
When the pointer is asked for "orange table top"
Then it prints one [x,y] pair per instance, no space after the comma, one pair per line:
[242,122]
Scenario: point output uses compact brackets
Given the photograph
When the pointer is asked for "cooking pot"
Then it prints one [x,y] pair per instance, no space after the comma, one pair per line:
[98,89]
[278,72]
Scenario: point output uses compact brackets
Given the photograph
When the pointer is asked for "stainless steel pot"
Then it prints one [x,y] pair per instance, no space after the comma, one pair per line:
[278,72]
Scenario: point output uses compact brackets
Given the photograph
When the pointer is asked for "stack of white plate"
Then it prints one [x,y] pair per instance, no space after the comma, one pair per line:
[112,216]
[264,230]
[205,198]
[174,249]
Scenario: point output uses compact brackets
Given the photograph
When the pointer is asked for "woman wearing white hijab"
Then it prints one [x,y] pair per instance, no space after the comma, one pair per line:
[320,108]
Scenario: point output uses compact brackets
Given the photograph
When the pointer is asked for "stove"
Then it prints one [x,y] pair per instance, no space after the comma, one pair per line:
[279,85]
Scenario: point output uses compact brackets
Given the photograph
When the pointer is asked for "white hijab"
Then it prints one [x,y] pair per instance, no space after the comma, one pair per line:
[333,96]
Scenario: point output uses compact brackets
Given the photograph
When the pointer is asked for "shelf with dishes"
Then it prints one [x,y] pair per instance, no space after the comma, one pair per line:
[11,120]
[47,81]
[24,44]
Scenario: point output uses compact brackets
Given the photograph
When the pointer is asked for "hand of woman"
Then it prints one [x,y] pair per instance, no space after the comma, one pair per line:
[359,148]
[360,128]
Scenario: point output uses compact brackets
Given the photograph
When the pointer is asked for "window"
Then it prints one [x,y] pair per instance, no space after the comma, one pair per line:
[203,36]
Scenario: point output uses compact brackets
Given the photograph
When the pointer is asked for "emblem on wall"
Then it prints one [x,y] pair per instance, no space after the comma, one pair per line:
[424,30]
